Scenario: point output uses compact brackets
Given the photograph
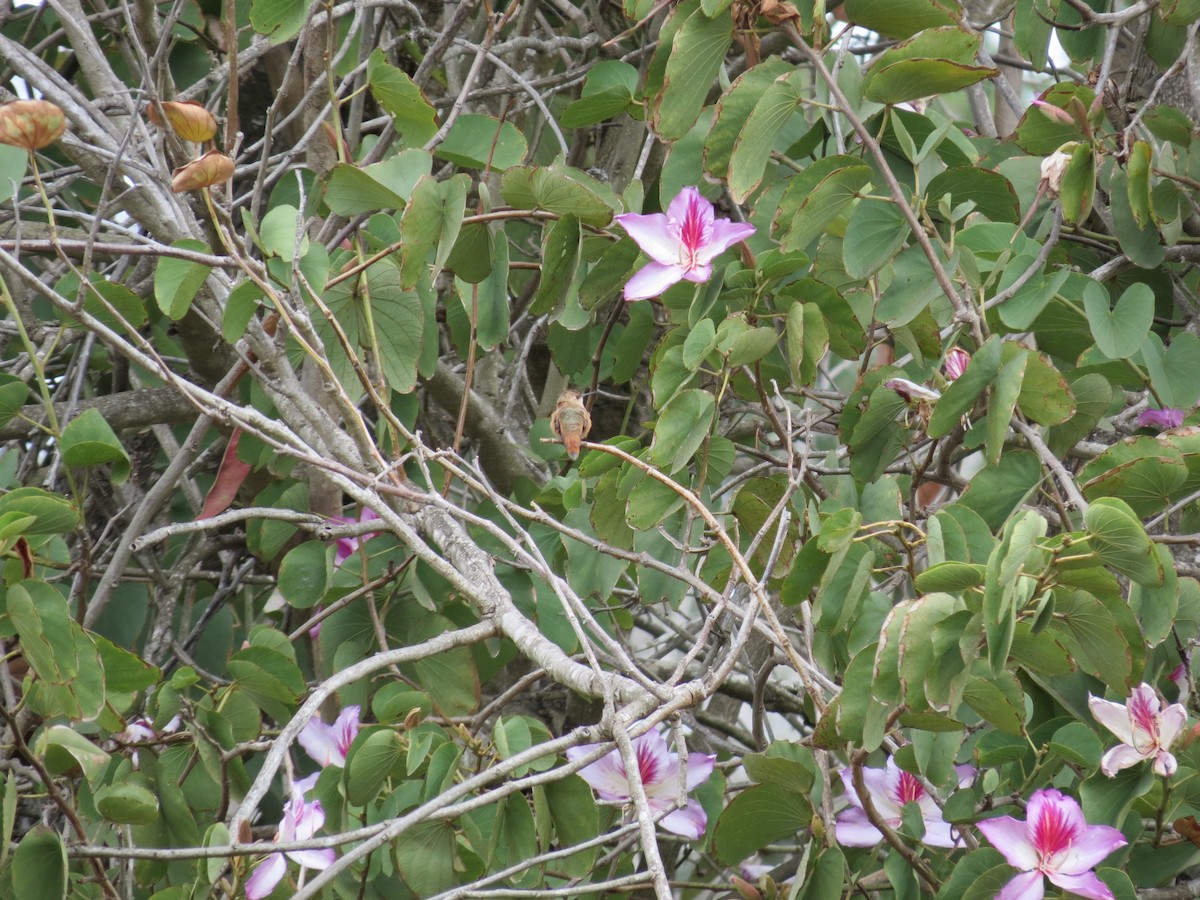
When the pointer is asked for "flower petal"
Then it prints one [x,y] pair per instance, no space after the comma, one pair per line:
[688,822]
[319,742]
[1113,716]
[606,775]
[884,786]
[854,829]
[1011,838]
[653,234]
[1090,848]
[309,819]
[1164,764]
[313,859]
[1026,886]
[651,280]
[939,833]
[264,878]
[1085,885]
[699,769]
[725,234]
[1120,757]
[1171,722]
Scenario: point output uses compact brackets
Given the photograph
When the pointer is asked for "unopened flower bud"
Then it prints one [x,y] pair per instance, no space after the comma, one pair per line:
[31,124]
[211,168]
[187,118]
[955,363]
[1054,167]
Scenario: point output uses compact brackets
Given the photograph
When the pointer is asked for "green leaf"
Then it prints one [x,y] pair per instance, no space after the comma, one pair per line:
[127,803]
[8,814]
[478,142]
[124,672]
[278,233]
[817,196]
[1120,540]
[911,79]
[402,99]
[488,300]
[280,20]
[900,18]
[1120,331]
[1045,397]
[697,52]
[67,752]
[963,393]
[733,109]
[996,490]
[176,281]
[558,189]
[1138,185]
[52,513]
[304,574]
[425,855]
[352,190]
[431,220]
[89,441]
[992,193]
[950,575]
[39,866]
[1039,134]
[1139,241]
[451,679]
[576,819]
[785,765]
[473,253]
[682,427]
[1078,185]
[1005,390]
[875,232]
[998,700]
[753,145]
[756,817]
[560,263]
[608,90]
[369,764]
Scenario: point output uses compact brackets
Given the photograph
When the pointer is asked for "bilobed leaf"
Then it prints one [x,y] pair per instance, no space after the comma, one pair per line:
[557,189]
[451,679]
[1045,397]
[1005,390]
[875,232]
[992,193]
[352,190]
[1119,331]
[1120,540]
[402,99]
[477,142]
[608,90]
[304,574]
[425,855]
[1140,241]
[996,490]
[1039,134]
[756,817]
[127,803]
[1078,185]
[39,866]
[752,147]
[370,762]
[177,280]
[488,300]
[1138,186]
[473,253]
[961,395]
[696,55]
[576,819]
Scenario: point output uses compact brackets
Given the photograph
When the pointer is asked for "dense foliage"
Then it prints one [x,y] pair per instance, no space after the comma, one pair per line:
[876,573]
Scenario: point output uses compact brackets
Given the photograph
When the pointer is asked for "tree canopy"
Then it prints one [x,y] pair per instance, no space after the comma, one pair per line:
[587,448]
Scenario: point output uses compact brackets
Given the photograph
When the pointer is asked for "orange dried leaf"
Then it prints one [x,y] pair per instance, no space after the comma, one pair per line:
[31,124]
[212,168]
[187,118]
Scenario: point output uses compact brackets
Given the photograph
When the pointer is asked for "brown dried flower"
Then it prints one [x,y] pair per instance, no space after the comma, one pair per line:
[212,168]
[31,124]
[187,118]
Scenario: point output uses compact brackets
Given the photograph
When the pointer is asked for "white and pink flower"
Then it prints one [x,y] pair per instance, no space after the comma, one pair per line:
[329,744]
[890,788]
[301,820]
[1055,841]
[682,243]
[1145,731]
[659,771]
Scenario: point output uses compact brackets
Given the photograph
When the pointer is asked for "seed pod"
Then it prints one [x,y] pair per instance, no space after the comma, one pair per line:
[31,124]
[187,118]
[211,168]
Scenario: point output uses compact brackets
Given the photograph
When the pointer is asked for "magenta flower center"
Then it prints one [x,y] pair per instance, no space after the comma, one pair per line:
[908,789]
[648,763]
[1053,834]
[1143,716]
[693,234]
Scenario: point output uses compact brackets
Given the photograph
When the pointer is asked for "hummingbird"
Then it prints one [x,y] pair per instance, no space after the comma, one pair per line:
[570,421]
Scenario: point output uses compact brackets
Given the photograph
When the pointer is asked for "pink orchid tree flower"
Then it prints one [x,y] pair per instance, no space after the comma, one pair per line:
[890,788]
[682,243]
[1054,841]
[955,363]
[1167,417]
[1179,675]
[1144,731]
[348,546]
[301,820]
[329,744]
[659,769]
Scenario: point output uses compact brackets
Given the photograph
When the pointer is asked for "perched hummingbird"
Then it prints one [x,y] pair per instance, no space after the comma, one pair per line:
[570,421]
